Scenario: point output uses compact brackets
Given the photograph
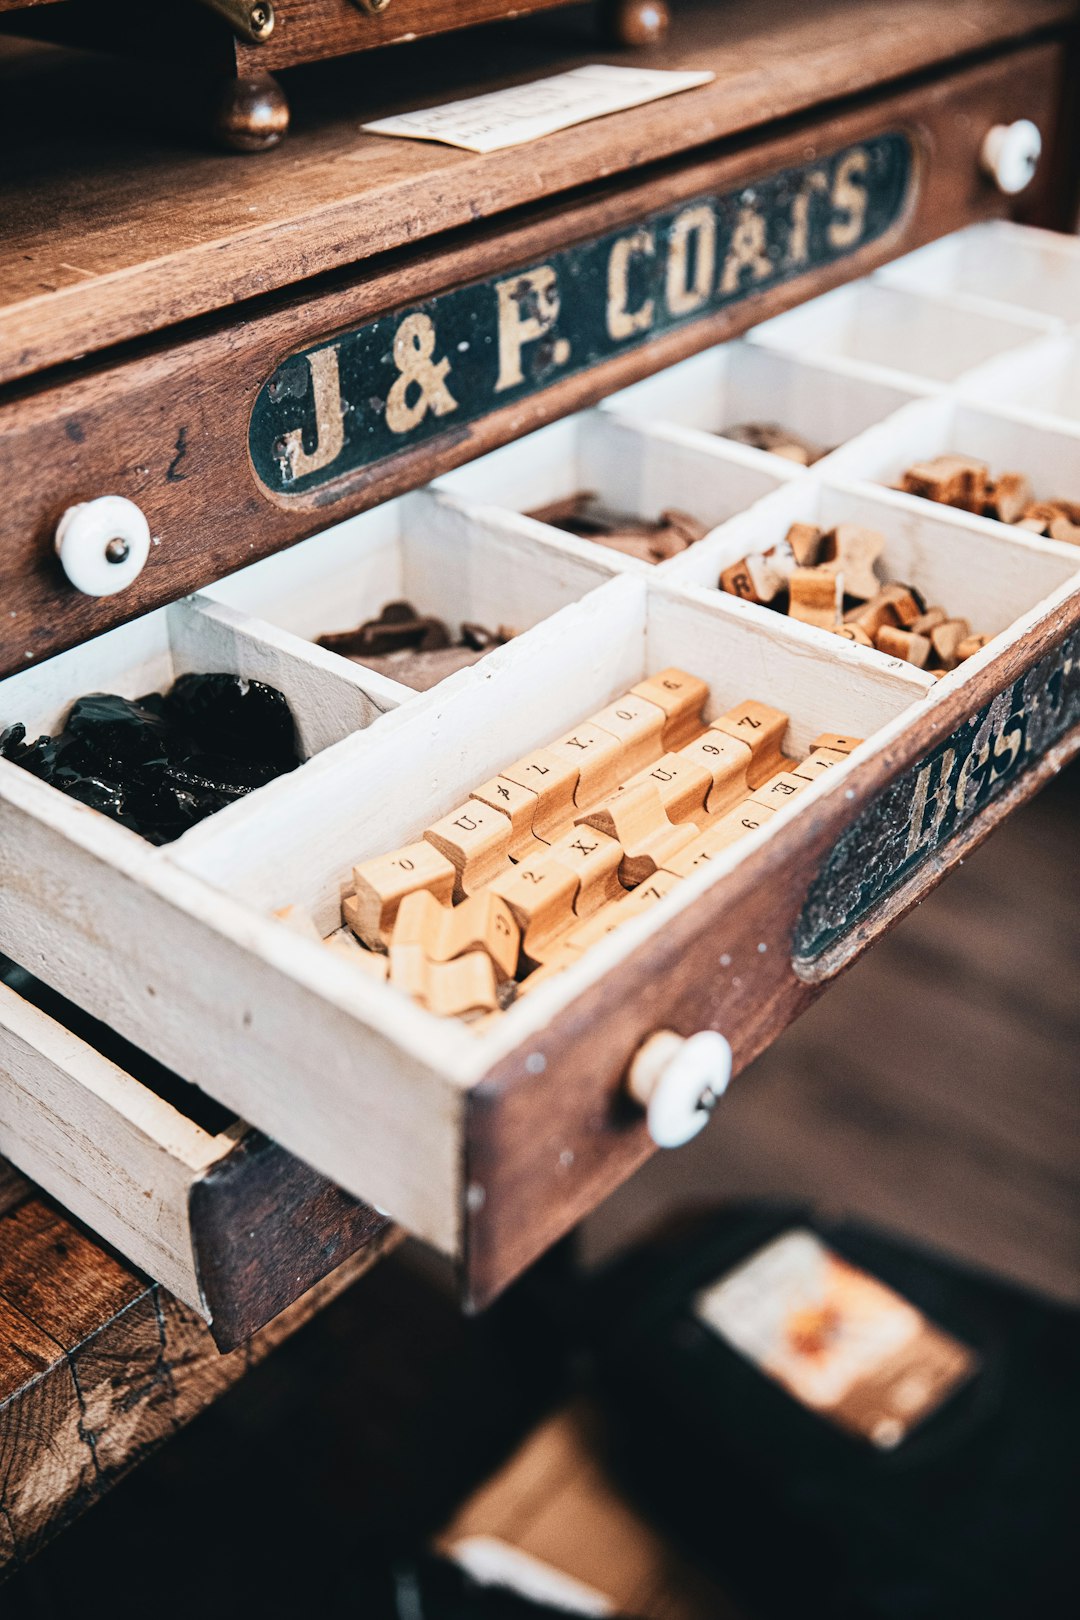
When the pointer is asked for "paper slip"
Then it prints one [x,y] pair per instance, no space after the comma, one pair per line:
[527,111]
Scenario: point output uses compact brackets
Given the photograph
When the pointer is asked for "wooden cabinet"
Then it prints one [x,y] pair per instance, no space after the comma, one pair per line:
[315,415]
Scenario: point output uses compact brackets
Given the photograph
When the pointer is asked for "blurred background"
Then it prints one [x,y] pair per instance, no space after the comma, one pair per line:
[930,1101]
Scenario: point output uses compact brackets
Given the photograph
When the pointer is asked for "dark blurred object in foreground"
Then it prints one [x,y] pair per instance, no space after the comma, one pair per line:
[969,1512]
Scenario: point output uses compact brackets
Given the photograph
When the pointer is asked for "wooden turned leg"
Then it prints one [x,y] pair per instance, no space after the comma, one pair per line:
[635,22]
[251,115]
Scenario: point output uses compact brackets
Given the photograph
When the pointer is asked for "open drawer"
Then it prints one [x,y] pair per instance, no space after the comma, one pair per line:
[213,1210]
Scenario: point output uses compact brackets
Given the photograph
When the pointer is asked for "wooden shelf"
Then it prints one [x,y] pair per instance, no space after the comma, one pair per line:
[118,225]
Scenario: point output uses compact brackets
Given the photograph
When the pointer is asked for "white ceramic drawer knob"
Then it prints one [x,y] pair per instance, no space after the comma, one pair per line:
[1010,155]
[678,1082]
[103,544]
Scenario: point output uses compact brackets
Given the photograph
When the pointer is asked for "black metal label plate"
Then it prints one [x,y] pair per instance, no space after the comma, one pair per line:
[361,396]
[919,812]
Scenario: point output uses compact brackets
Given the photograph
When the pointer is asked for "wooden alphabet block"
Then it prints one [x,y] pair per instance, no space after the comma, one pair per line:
[893,605]
[381,884]
[835,743]
[853,632]
[773,795]
[597,754]
[554,781]
[541,894]
[945,640]
[805,540]
[816,596]
[952,480]
[733,825]
[476,839]
[771,570]
[727,760]
[1010,497]
[483,922]
[818,763]
[635,821]
[763,729]
[928,621]
[594,857]
[563,956]
[639,726]
[903,644]
[633,904]
[683,786]
[465,985]
[970,646]
[519,803]
[736,581]
[854,550]
[682,698]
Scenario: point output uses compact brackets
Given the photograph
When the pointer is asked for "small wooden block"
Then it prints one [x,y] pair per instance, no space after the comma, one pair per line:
[1010,497]
[683,786]
[818,763]
[946,638]
[816,596]
[633,904]
[970,646]
[903,644]
[635,821]
[727,761]
[541,894]
[1064,530]
[639,726]
[597,754]
[873,614]
[805,540]
[928,621]
[554,781]
[854,550]
[763,729]
[853,632]
[594,857]
[682,698]
[462,986]
[476,839]
[732,826]
[771,570]
[779,791]
[952,480]
[482,922]
[736,581]
[381,884]
[835,743]
[519,803]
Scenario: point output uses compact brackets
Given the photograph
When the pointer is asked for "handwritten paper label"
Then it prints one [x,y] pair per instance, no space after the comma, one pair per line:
[525,112]
[360,396]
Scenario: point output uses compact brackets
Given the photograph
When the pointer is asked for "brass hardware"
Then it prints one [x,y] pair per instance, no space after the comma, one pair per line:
[372,7]
[253,20]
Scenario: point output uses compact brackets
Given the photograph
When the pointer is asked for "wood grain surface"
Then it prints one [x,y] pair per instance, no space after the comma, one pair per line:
[97,1366]
[169,428]
[115,225]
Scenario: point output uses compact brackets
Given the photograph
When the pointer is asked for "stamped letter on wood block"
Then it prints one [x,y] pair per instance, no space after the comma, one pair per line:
[381,885]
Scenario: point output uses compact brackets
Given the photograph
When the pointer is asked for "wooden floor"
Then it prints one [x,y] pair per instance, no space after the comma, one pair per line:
[934,1091]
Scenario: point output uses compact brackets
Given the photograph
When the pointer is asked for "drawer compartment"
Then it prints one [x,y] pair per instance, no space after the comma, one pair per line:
[216,1212]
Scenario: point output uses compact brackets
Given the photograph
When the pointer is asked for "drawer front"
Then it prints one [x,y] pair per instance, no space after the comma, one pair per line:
[197,432]
[223,1218]
[306,32]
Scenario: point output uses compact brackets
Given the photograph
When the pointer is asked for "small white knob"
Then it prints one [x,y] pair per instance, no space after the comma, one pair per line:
[103,544]
[1010,155]
[678,1082]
